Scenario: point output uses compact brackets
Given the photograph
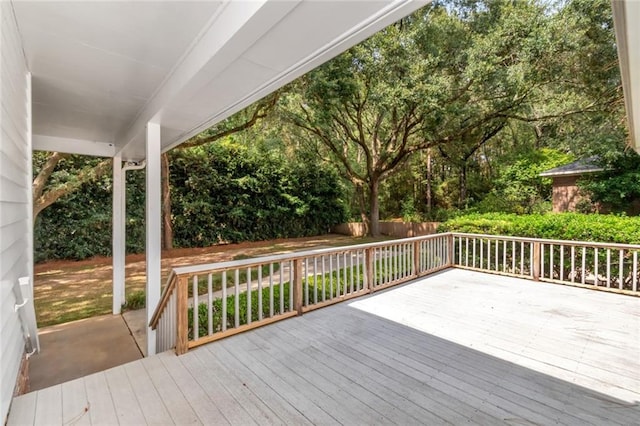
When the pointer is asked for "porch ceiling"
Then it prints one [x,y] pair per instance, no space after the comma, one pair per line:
[102,70]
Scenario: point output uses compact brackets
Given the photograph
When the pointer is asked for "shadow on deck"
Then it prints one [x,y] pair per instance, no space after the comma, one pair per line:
[455,347]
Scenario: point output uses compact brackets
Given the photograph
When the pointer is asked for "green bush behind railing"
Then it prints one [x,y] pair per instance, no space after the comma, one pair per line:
[334,286]
[556,226]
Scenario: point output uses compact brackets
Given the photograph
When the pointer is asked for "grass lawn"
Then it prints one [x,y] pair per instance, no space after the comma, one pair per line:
[67,290]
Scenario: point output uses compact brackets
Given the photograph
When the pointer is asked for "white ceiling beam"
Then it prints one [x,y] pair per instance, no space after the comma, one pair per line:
[395,11]
[625,15]
[73,146]
[222,38]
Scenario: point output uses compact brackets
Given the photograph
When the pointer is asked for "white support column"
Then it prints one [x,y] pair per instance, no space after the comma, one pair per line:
[153,231]
[118,231]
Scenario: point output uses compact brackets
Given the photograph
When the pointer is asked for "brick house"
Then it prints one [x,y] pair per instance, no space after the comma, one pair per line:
[566,194]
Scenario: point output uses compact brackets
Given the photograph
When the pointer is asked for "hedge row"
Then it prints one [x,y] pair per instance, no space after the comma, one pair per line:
[219,193]
[560,226]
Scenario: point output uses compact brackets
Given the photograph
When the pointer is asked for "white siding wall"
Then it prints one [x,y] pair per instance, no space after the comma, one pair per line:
[15,194]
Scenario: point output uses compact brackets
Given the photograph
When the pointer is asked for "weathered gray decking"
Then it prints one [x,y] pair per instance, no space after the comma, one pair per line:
[456,347]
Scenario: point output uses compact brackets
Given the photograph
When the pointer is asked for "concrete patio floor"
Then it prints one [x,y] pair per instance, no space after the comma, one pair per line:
[78,348]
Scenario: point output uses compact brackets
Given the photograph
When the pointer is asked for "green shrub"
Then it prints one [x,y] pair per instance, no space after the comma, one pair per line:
[559,226]
[335,285]
[135,300]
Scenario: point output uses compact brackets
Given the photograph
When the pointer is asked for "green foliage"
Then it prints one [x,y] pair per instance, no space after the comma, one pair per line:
[559,226]
[242,309]
[618,187]
[135,300]
[319,288]
[78,226]
[520,188]
[224,192]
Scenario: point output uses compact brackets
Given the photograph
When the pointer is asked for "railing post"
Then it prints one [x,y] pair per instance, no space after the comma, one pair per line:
[451,244]
[297,286]
[535,268]
[368,262]
[182,326]
[416,258]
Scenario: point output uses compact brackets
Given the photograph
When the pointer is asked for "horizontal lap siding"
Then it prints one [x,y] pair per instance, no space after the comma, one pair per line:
[15,181]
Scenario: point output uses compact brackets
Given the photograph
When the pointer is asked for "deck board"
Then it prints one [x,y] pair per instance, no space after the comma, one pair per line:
[152,406]
[49,405]
[101,408]
[455,347]
[75,407]
[125,402]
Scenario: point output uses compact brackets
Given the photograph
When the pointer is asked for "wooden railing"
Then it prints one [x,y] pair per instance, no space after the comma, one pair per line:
[602,266]
[232,297]
[204,303]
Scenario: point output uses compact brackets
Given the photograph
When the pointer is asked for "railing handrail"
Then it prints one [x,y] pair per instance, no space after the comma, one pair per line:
[222,266]
[179,276]
[177,283]
[166,294]
[546,241]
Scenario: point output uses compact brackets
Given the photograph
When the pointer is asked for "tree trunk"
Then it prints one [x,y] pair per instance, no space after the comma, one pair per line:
[362,206]
[429,197]
[42,199]
[167,227]
[463,186]
[374,229]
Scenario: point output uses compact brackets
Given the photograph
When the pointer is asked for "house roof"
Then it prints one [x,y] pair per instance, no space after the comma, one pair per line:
[579,167]
[102,70]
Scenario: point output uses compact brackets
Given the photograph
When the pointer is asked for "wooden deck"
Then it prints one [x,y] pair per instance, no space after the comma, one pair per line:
[456,347]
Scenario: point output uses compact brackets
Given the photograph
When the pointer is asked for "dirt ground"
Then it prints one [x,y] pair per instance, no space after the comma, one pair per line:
[71,290]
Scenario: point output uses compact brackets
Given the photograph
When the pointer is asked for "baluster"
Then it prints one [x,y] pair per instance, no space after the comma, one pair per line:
[542,260]
[595,266]
[504,256]
[236,281]
[210,303]
[224,300]
[573,264]
[344,272]
[608,268]
[291,292]
[634,285]
[473,254]
[387,274]
[281,311]
[562,262]
[194,291]
[621,272]
[315,279]
[306,282]
[584,264]
[521,257]
[359,264]
[324,276]
[260,313]
[330,276]
[249,285]
[396,253]
[350,272]
[466,252]
[271,290]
